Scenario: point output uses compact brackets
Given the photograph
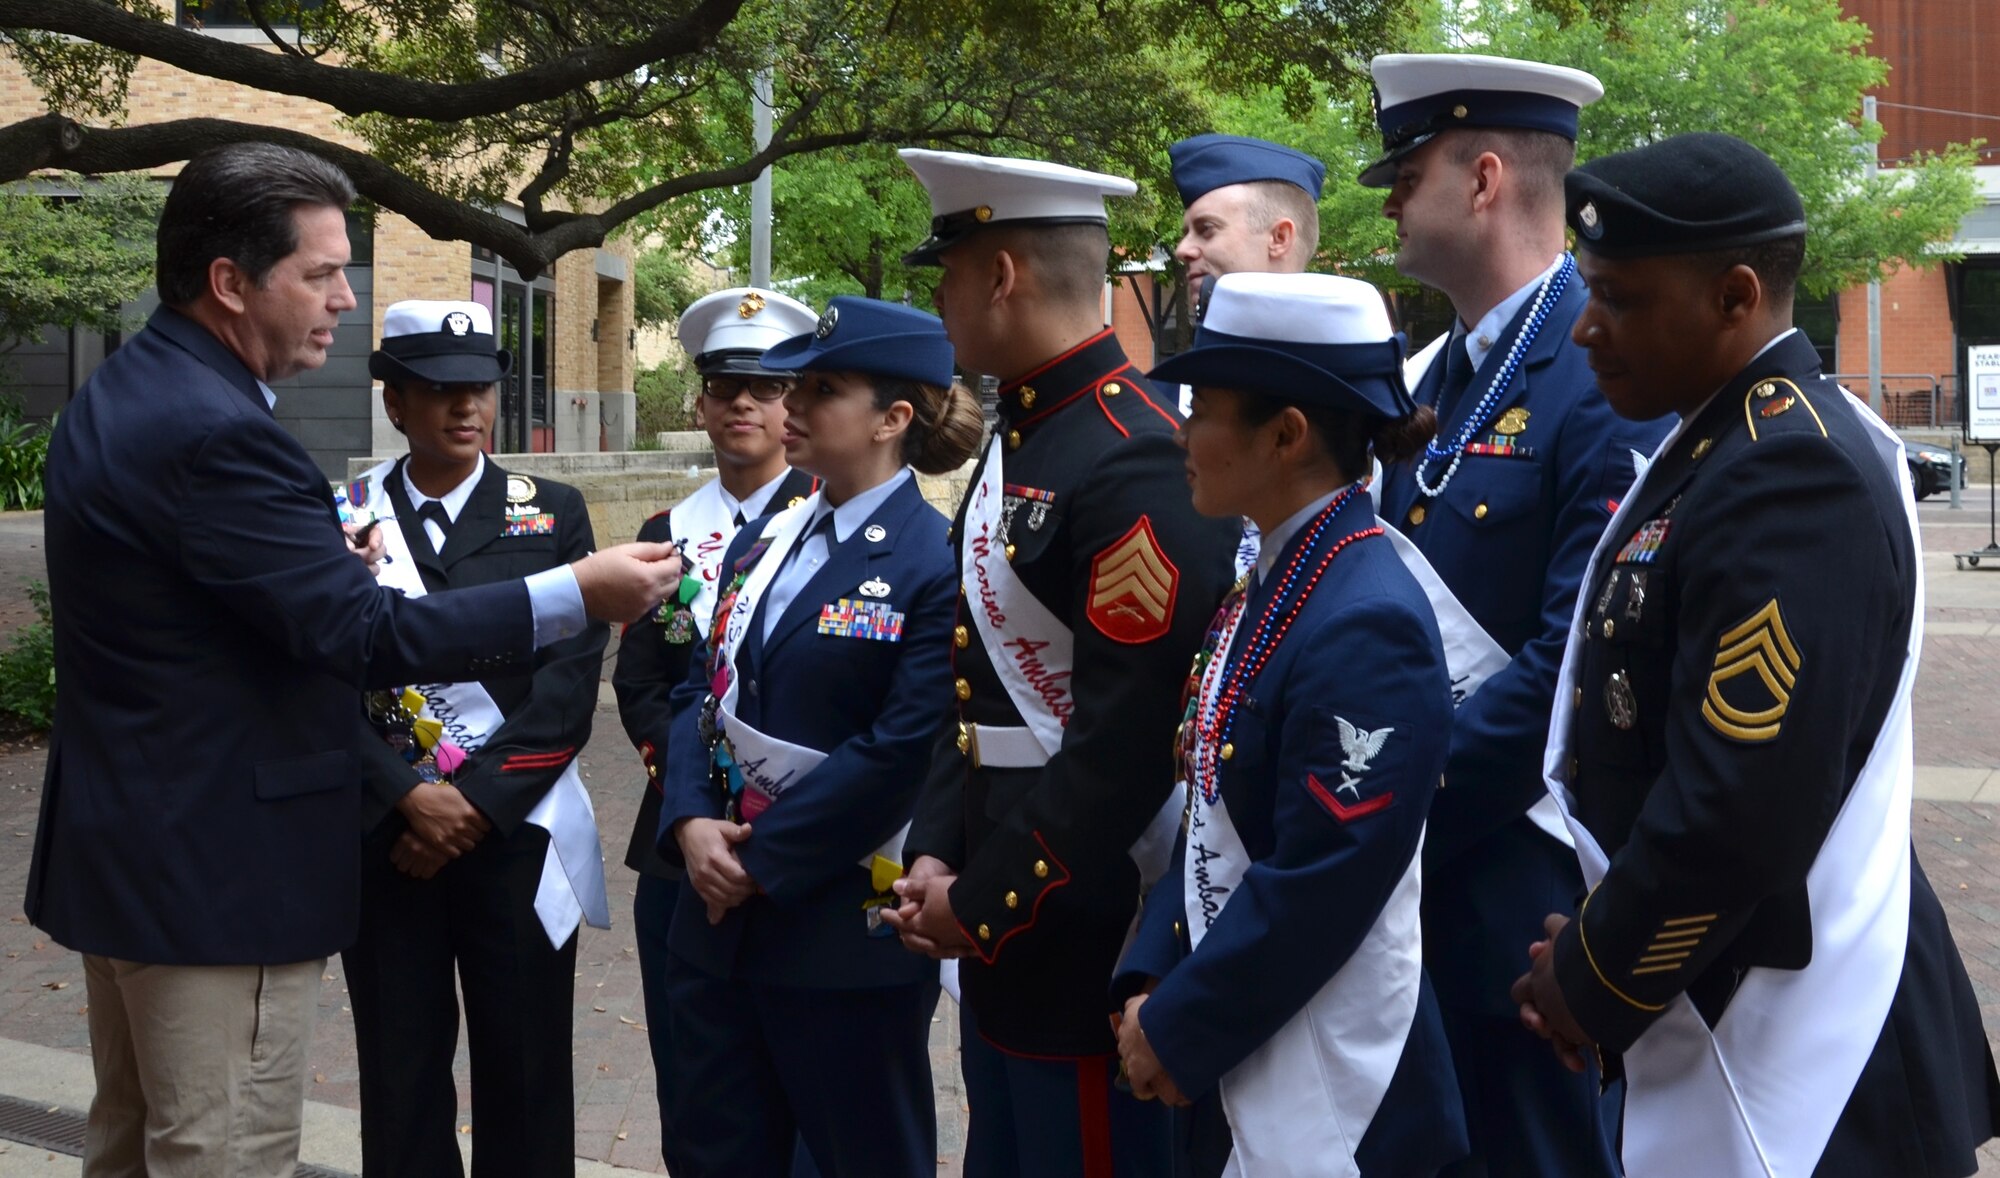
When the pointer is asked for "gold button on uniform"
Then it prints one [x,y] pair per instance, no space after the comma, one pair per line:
[1701,448]
[1113,389]
[1610,627]
[1576,699]
[1479,512]
[961,637]
[1013,899]
[1177,928]
[1041,869]
[1228,751]
[1013,439]
[964,738]
[985,933]
[1010,552]
[1416,515]
[1027,398]
[963,687]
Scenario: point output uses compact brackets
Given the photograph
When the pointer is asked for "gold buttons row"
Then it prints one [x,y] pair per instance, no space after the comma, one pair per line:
[1418,514]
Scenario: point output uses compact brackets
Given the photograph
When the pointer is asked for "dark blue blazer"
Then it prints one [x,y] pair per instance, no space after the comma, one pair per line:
[1364,649]
[212,629]
[875,708]
[1510,536]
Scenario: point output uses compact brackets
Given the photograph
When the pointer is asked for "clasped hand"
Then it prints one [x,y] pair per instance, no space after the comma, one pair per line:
[924,919]
[1544,1010]
[709,847]
[1143,1069]
[444,824]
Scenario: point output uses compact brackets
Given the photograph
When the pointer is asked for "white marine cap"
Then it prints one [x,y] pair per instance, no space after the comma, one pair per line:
[1315,339]
[730,330]
[1419,95]
[969,192]
[444,341]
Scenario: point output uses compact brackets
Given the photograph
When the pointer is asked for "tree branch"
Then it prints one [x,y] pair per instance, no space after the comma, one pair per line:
[357,91]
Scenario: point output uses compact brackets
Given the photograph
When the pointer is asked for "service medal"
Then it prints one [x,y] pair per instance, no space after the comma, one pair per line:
[1619,702]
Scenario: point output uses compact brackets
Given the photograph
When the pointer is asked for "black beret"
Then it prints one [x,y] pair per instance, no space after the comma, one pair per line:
[1688,194]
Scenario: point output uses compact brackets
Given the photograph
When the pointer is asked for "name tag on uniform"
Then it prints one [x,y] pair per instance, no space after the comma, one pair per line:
[848,618]
[542,524]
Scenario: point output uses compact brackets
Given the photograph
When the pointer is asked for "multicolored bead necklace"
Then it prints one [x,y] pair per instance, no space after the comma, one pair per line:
[1204,734]
[1538,314]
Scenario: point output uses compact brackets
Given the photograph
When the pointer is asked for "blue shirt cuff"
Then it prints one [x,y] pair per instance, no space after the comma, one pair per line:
[557,604]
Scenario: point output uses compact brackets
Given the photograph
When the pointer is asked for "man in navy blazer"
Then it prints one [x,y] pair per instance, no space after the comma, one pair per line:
[198,840]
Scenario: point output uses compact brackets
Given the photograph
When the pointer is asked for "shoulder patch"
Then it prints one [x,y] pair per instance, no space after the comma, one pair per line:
[1133,586]
[1773,398]
[1750,686]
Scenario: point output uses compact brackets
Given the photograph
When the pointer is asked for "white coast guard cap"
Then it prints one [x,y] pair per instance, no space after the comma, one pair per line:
[1419,95]
[729,330]
[969,192]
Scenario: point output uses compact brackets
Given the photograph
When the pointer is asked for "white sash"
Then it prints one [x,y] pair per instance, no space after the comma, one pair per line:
[1760,1094]
[1299,1104]
[770,766]
[706,525]
[572,885]
[1030,648]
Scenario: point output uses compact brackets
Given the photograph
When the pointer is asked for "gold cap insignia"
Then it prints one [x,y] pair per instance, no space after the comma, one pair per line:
[983,214]
[1459,111]
[520,488]
[1760,649]
[1512,422]
[751,304]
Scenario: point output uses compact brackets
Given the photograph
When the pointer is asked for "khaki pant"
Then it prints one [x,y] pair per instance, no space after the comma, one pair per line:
[201,1069]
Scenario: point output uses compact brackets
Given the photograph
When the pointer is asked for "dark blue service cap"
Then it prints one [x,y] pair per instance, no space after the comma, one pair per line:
[1208,162]
[1689,194]
[870,336]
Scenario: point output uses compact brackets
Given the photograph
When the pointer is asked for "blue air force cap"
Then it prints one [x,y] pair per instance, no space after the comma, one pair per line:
[1312,339]
[1688,194]
[1419,96]
[871,336]
[1208,162]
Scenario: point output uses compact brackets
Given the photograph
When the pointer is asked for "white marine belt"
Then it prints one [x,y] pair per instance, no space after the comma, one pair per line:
[990,746]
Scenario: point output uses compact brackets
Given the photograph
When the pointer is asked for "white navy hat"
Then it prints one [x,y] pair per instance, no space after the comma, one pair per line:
[1420,95]
[1315,339]
[969,192]
[444,341]
[728,331]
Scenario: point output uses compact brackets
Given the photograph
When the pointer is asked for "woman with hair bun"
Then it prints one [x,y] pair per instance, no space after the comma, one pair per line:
[799,742]
[1275,988]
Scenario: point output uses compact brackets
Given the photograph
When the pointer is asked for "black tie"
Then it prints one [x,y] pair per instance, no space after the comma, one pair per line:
[738,521]
[434,512]
[1457,378]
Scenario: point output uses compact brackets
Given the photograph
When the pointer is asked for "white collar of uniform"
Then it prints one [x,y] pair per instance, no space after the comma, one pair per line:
[1775,341]
[849,516]
[1481,336]
[1275,540]
[756,502]
[454,499]
[270,398]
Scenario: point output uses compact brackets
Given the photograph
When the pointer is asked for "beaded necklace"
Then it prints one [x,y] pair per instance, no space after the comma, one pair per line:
[1538,314]
[1210,715]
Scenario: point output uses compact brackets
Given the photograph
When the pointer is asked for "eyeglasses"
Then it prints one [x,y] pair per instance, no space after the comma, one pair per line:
[728,388]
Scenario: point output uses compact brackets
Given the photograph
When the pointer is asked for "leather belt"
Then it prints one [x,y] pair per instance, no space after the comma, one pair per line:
[990,747]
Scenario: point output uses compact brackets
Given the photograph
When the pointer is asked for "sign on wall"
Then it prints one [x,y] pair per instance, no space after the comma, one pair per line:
[1982,405]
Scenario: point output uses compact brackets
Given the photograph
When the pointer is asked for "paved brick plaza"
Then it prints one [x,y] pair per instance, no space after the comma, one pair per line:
[1958,746]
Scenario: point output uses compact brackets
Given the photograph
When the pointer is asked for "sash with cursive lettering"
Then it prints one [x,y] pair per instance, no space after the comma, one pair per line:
[703,526]
[1030,648]
[1760,1092]
[572,885]
[1300,1103]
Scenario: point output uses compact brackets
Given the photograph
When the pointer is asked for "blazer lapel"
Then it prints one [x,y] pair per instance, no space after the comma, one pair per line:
[851,564]
[479,522]
[415,538]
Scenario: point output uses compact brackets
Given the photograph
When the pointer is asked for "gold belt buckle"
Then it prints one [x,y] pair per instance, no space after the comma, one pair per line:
[968,741]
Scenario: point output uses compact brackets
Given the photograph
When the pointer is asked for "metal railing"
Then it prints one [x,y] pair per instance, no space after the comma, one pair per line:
[1910,400]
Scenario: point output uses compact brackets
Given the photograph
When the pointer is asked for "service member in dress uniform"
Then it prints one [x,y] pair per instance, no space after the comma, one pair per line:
[742,408]
[487,858]
[1087,579]
[800,740]
[1732,737]
[1504,504]
[1278,967]
[1250,206]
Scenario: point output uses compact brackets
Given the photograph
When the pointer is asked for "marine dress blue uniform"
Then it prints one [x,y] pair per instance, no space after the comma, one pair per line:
[1291,1003]
[1534,461]
[799,1014]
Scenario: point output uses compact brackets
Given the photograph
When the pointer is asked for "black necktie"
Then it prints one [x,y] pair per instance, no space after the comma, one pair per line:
[434,512]
[1457,378]
[738,521]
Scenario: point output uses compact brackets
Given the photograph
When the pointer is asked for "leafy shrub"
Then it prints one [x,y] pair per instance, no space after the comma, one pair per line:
[24,453]
[665,394]
[28,669]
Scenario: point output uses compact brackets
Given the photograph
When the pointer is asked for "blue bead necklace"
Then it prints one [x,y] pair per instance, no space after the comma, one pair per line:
[1475,422]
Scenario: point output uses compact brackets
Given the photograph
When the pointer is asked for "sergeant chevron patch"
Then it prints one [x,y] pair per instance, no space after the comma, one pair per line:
[1132,587]
[1758,647]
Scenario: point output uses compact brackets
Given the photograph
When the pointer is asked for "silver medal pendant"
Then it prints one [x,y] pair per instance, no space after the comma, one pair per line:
[1619,702]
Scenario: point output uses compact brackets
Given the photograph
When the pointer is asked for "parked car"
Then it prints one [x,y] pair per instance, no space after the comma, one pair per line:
[1931,468]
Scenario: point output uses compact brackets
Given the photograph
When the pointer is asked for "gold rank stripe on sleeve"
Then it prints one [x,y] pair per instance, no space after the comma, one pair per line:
[1583,939]
[1132,587]
[1759,646]
[1673,944]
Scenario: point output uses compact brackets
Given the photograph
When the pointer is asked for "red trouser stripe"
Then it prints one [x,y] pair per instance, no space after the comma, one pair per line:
[1093,1103]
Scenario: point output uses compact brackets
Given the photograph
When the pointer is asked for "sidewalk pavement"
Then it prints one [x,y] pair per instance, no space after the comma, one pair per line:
[44,1041]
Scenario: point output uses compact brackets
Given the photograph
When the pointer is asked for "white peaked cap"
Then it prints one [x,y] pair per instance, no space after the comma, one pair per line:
[739,320]
[969,192]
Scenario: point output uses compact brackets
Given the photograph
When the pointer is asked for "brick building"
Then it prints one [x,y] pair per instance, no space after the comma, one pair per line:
[570,328]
